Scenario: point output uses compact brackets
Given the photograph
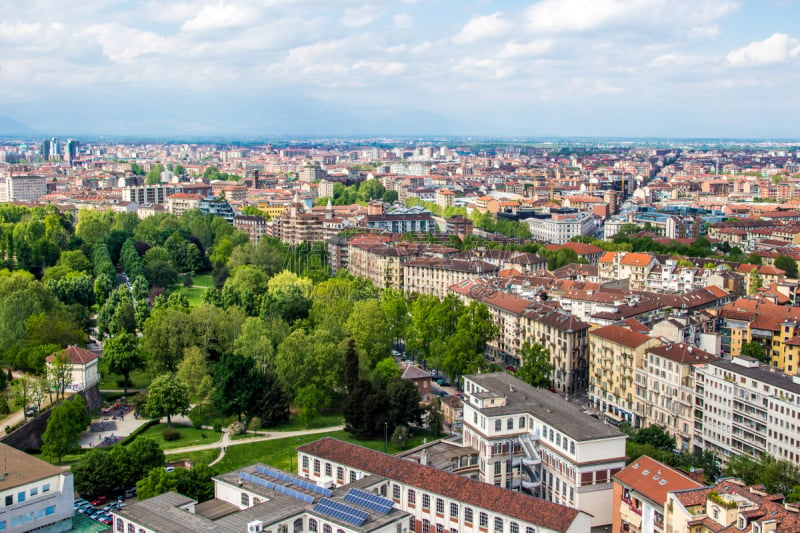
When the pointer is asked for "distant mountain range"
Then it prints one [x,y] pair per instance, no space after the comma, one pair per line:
[12,128]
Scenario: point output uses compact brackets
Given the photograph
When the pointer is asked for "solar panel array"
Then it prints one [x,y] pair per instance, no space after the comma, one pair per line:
[257,480]
[369,501]
[312,486]
[302,483]
[342,512]
[277,488]
[294,494]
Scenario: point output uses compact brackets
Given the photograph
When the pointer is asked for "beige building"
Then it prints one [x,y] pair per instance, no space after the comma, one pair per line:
[179,203]
[431,275]
[665,390]
[83,368]
[614,355]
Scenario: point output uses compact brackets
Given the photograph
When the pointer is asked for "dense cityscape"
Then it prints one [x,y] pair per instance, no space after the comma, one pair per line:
[398,334]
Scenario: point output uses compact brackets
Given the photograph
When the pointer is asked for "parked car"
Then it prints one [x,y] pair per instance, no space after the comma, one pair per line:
[130,493]
[443,382]
[443,394]
[100,500]
[31,410]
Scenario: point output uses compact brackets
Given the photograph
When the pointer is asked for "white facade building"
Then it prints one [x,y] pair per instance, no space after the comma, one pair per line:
[22,188]
[35,495]
[561,228]
[533,439]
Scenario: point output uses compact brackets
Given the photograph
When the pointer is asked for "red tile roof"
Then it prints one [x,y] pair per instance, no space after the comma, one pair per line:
[653,479]
[471,492]
[76,356]
[620,335]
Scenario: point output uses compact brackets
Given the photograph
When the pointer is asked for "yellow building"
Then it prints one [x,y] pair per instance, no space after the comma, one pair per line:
[614,355]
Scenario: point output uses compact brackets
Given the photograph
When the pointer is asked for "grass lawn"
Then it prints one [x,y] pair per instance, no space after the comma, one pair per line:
[281,453]
[140,379]
[322,421]
[203,280]
[203,457]
[189,436]
[193,294]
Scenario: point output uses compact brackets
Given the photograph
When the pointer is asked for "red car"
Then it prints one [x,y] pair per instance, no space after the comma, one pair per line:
[99,501]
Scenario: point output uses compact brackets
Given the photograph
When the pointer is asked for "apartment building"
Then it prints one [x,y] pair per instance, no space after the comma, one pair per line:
[22,188]
[432,275]
[35,494]
[747,408]
[635,267]
[297,224]
[374,258]
[614,355]
[665,390]
[730,505]
[179,203]
[505,259]
[562,226]
[437,501]
[531,439]
[641,490]
[254,226]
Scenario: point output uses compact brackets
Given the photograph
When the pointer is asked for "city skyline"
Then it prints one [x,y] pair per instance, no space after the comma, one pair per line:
[638,68]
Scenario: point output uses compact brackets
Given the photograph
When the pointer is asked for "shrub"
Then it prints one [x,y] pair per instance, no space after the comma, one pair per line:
[197,420]
[218,426]
[171,434]
[237,428]
[255,423]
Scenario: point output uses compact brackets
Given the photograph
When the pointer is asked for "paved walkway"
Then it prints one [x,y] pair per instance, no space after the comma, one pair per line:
[224,441]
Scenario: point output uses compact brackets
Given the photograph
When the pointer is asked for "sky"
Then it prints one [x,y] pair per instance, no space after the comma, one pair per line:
[603,68]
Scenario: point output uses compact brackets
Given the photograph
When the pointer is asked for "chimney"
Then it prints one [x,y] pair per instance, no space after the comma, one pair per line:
[697,474]
[423,458]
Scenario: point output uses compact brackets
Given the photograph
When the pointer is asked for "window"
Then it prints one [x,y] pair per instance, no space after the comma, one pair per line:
[21,497]
[439,528]
[9,500]
[716,513]
[497,468]
[396,492]
[120,525]
[439,505]
[352,476]
[454,510]
[328,470]
[34,491]
[514,527]
[468,515]
[305,462]
[412,523]
[510,423]
[326,529]
[316,466]
[46,487]
[312,524]
[426,526]
[2,525]
[131,528]
[426,501]
[530,530]
[412,497]
[498,524]
[522,422]
[339,474]
[298,526]
[572,447]
[245,499]
[498,425]
[483,519]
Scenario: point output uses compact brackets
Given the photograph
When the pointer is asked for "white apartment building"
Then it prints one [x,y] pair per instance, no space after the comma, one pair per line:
[529,438]
[561,227]
[35,494]
[744,407]
[22,188]
[437,501]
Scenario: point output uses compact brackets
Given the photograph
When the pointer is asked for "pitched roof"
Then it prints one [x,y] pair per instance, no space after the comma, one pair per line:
[471,492]
[683,353]
[653,479]
[636,259]
[76,356]
[414,372]
[620,335]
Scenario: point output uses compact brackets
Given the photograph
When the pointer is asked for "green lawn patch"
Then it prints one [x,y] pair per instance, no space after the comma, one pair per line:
[203,280]
[202,457]
[194,295]
[282,453]
[140,379]
[322,421]
[189,436]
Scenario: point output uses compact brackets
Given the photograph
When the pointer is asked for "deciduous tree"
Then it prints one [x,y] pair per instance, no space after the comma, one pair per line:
[167,396]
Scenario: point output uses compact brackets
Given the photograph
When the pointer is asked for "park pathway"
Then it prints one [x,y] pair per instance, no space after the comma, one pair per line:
[224,442]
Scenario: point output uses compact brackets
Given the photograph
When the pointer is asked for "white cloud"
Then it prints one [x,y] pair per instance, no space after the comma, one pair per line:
[390,68]
[529,49]
[361,16]
[704,33]
[220,16]
[480,28]
[676,60]
[560,16]
[402,21]
[122,44]
[169,11]
[778,48]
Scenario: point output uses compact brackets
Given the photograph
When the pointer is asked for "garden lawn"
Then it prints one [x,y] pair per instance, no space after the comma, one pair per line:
[202,457]
[282,453]
[194,295]
[203,281]
[189,436]
[140,379]
[322,421]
